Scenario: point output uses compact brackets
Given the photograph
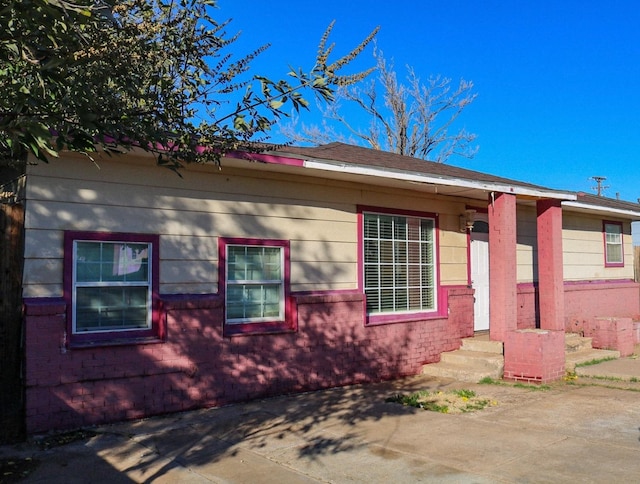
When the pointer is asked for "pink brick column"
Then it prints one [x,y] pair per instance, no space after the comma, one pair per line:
[550,276]
[534,355]
[503,307]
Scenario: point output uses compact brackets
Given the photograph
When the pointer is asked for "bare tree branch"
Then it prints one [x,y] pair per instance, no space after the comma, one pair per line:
[414,119]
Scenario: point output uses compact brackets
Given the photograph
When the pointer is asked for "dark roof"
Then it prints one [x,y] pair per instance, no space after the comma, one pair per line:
[358,155]
[614,203]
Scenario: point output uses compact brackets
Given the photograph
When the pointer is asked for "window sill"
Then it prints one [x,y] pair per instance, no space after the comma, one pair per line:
[613,264]
[250,329]
[379,319]
[143,340]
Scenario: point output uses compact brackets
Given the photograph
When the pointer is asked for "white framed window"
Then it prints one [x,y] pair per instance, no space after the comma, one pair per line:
[255,281]
[111,286]
[255,284]
[399,263]
[613,244]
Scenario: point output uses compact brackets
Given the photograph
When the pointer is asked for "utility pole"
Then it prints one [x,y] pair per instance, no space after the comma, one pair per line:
[600,187]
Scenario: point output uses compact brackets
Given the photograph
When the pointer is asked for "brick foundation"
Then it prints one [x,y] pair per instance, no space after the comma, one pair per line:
[198,367]
[611,334]
[584,301]
[534,356]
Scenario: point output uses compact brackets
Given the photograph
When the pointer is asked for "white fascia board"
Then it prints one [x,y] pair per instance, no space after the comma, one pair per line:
[436,180]
[608,210]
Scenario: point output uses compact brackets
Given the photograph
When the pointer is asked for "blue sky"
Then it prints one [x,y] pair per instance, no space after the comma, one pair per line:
[558,82]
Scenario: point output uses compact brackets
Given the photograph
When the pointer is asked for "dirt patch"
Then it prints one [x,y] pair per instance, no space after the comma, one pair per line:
[15,470]
[56,440]
[453,401]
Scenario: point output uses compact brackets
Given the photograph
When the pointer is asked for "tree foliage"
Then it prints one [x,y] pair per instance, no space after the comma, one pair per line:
[83,75]
[414,119]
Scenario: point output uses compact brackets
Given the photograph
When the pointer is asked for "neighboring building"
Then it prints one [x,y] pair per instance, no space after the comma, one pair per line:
[293,270]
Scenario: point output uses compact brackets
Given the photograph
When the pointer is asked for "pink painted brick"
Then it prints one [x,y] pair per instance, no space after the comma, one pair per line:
[612,333]
[534,355]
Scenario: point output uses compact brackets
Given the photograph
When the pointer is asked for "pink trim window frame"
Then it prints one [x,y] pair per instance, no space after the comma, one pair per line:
[288,323]
[440,311]
[154,334]
[607,262]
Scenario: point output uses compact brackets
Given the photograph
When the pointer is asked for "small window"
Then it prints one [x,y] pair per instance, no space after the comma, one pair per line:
[111,286]
[399,264]
[255,283]
[613,244]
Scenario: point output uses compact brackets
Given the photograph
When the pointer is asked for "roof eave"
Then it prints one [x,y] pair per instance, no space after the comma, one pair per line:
[347,168]
[631,214]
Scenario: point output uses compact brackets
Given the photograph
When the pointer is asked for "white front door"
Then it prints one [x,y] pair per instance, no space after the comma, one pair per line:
[480,273]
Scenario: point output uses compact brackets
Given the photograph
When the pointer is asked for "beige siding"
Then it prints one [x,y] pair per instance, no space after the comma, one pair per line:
[582,243]
[190,213]
[527,245]
[583,248]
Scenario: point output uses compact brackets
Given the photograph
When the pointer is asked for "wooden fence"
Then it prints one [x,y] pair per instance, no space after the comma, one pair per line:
[11,347]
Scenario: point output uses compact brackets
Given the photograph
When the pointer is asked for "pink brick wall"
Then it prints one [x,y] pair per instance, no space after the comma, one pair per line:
[527,310]
[583,302]
[198,367]
[588,300]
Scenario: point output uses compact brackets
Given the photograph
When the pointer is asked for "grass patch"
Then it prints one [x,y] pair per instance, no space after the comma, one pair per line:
[527,386]
[454,401]
[595,361]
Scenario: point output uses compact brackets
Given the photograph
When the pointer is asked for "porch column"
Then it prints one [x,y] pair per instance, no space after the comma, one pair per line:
[550,277]
[503,307]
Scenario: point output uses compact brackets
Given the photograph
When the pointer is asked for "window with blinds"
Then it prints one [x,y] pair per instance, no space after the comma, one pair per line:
[399,263]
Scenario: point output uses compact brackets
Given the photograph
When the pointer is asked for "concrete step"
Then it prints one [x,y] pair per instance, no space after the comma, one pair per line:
[483,344]
[460,372]
[479,360]
[573,342]
[574,358]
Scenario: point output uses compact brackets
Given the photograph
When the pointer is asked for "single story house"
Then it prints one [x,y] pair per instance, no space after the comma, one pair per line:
[296,269]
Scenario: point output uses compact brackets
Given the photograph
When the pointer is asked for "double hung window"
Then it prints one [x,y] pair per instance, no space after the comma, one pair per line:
[613,246]
[255,279]
[111,284]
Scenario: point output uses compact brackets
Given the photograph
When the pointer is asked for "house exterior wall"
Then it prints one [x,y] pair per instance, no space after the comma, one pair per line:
[589,286]
[196,365]
[583,246]
[582,243]
[189,214]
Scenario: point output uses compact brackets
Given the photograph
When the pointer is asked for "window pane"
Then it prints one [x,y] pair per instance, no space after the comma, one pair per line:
[111,308]
[386,227]
[373,300]
[370,251]
[109,261]
[371,276]
[370,226]
[614,253]
[613,243]
[399,228]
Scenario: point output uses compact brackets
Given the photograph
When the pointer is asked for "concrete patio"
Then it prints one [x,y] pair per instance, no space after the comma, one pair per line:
[584,430]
